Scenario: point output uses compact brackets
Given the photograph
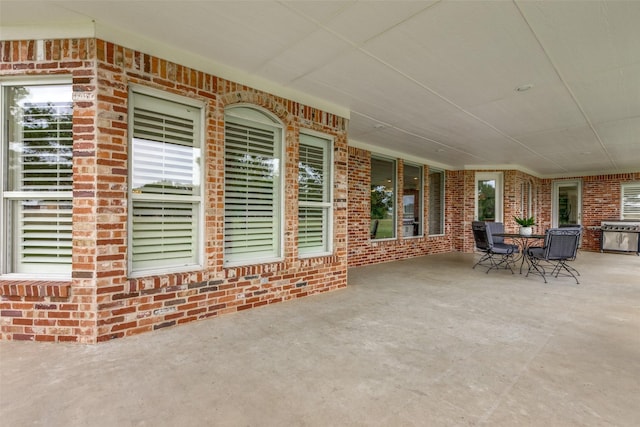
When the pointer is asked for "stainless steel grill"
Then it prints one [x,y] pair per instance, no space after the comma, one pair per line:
[620,236]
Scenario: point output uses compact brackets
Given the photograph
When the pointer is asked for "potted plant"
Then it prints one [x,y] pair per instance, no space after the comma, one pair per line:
[526,225]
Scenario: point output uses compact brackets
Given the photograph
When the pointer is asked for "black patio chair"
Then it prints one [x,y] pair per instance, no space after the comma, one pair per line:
[495,255]
[560,247]
[496,228]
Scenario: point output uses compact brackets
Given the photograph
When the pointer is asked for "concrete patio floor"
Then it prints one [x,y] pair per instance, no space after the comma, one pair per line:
[422,342]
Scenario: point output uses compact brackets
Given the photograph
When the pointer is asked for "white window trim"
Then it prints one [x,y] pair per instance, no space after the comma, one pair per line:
[420,201]
[526,200]
[275,122]
[487,176]
[5,196]
[329,204]
[395,196]
[623,187]
[198,265]
[443,213]
[555,192]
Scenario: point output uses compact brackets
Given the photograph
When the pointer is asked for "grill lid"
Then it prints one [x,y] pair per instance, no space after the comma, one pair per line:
[620,226]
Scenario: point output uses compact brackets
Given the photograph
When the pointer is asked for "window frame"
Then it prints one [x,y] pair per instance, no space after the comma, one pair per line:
[556,205]
[394,187]
[7,198]
[199,199]
[636,189]
[443,200]
[499,193]
[251,114]
[327,203]
[420,199]
[526,198]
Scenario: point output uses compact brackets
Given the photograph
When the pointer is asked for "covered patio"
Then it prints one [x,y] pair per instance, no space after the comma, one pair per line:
[423,341]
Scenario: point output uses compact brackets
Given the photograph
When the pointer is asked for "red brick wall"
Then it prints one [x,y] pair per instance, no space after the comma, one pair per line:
[100,302]
[601,196]
[460,208]
[600,201]
[53,310]
[362,249]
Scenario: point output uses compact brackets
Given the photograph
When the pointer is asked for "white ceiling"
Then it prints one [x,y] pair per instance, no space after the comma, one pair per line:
[433,80]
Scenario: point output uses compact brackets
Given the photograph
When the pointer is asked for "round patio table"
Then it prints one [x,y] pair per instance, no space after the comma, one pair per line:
[524,242]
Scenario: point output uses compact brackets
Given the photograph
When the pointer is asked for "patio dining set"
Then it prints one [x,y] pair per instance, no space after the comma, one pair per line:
[546,255]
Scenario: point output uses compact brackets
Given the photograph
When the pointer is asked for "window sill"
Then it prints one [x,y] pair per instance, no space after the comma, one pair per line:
[315,255]
[34,288]
[165,271]
[413,237]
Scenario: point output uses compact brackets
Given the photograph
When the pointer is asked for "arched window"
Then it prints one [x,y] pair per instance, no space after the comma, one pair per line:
[527,207]
[253,165]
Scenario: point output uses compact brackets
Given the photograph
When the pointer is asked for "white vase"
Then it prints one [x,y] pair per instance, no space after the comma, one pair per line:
[526,231]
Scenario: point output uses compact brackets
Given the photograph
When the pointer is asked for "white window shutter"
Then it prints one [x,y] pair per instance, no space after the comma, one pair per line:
[252,180]
[44,235]
[166,193]
[40,178]
[314,195]
[631,201]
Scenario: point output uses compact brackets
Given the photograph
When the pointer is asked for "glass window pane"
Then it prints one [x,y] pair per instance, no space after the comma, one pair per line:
[163,168]
[40,138]
[165,184]
[412,201]
[252,187]
[163,233]
[383,185]
[38,151]
[631,201]
[486,200]
[436,202]
[42,235]
[311,172]
[314,180]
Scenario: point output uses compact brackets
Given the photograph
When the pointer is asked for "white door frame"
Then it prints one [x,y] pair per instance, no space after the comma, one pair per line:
[489,176]
[576,206]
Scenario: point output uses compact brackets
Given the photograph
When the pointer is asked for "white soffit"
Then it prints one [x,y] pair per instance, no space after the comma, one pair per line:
[198,62]
[587,37]
[82,26]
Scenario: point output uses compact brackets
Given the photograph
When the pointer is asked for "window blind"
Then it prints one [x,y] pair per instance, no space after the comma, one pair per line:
[161,168]
[311,229]
[165,184]
[45,157]
[39,178]
[252,195]
[163,233]
[311,173]
[314,195]
[44,235]
[436,203]
[163,126]
[631,201]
